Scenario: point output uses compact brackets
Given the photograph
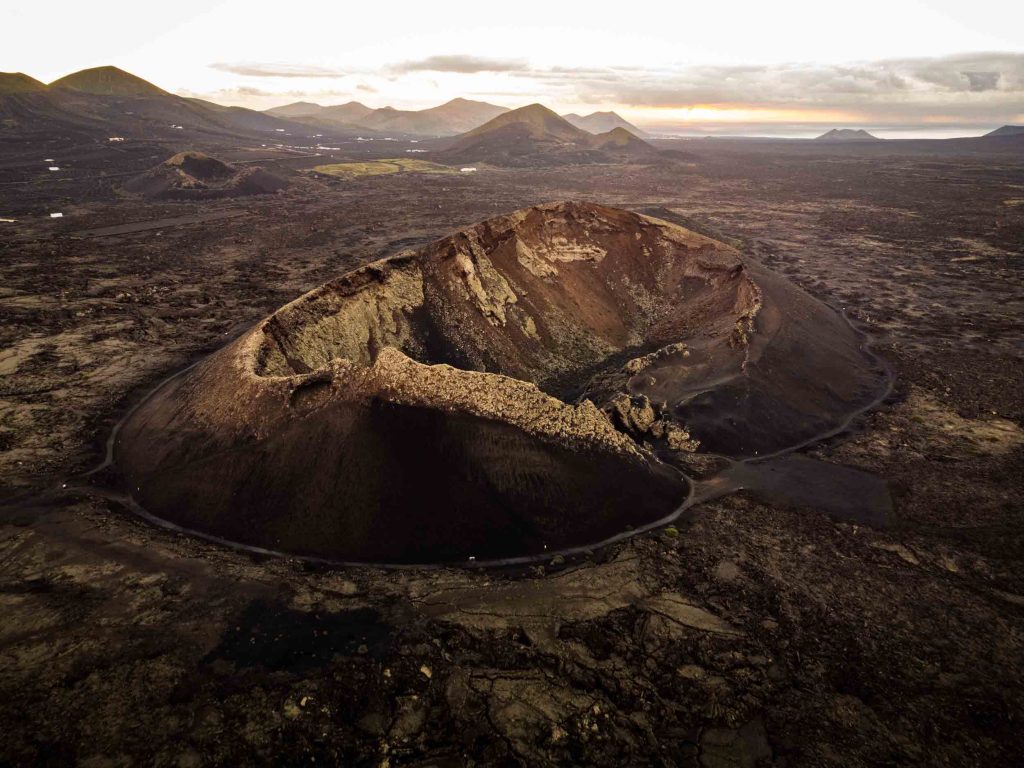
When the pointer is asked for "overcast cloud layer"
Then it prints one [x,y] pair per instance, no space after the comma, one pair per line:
[976,84]
[247,69]
[979,88]
[462,64]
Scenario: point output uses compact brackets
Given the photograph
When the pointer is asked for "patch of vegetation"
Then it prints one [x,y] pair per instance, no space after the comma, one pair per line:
[382,167]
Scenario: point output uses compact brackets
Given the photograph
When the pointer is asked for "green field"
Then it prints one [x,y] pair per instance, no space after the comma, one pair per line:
[381,167]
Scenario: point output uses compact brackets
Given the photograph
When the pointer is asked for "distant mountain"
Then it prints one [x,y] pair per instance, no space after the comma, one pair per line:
[602,122]
[108,81]
[350,113]
[341,114]
[534,121]
[346,117]
[456,116]
[17,82]
[534,135]
[847,134]
[619,139]
[460,115]
[296,109]
[1007,130]
[107,101]
[249,120]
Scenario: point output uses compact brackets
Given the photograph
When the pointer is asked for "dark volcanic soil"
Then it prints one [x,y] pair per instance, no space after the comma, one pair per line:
[752,630]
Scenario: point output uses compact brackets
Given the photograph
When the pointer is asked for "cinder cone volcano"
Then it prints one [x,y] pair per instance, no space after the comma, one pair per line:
[433,406]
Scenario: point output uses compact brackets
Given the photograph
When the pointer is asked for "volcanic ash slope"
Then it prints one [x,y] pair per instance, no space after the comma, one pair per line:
[427,407]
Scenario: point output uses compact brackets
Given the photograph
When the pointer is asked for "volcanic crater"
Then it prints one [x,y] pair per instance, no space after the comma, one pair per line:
[500,393]
[197,176]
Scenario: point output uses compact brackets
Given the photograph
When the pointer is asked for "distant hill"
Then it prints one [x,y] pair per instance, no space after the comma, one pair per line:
[340,117]
[107,101]
[847,134]
[534,135]
[248,120]
[197,176]
[350,113]
[456,116]
[296,109]
[602,122]
[1007,130]
[535,121]
[618,139]
[340,114]
[108,81]
[17,82]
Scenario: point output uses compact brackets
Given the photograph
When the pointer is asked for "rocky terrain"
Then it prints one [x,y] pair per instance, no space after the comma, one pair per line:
[753,630]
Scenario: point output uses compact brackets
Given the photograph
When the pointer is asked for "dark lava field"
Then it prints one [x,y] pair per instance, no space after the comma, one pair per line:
[857,601]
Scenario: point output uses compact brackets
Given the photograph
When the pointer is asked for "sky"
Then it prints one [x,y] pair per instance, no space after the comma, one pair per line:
[784,67]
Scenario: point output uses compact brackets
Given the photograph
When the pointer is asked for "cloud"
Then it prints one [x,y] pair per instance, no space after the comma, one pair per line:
[982,81]
[980,88]
[461,64]
[259,98]
[237,93]
[256,69]
[981,85]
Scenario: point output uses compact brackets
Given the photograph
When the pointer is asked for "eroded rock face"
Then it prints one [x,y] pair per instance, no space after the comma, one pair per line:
[547,295]
[428,407]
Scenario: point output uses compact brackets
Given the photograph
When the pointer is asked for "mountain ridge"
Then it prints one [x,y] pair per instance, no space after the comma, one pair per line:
[602,122]
[453,117]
